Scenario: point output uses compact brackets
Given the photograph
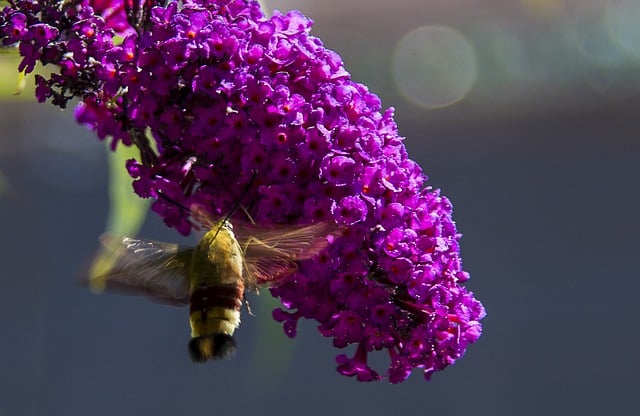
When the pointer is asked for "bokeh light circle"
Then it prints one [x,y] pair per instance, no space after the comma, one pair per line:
[434,66]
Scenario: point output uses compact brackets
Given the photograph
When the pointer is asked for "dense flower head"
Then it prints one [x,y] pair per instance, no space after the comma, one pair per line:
[227,105]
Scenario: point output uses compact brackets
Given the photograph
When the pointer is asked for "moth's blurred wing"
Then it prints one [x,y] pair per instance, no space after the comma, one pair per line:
[143,267]
[271,253]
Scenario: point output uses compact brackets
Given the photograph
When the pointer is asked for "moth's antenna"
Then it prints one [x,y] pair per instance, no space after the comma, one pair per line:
[229,215]
[196,216]
[239,201]
[173,201]
[237,204]
[246,212]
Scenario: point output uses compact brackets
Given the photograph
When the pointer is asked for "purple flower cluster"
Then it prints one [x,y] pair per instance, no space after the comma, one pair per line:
[225,103]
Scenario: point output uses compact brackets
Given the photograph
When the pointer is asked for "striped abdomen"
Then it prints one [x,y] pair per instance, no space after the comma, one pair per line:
[214,315]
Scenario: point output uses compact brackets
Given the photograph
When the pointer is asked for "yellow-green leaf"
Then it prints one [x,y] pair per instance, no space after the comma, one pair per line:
[127,211]
[274,350]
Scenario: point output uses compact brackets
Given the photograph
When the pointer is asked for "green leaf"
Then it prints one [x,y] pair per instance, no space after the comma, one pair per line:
[273,351]
[127,211]
[13,84]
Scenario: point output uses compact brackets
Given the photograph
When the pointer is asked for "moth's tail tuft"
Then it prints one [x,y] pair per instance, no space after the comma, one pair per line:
[211,347]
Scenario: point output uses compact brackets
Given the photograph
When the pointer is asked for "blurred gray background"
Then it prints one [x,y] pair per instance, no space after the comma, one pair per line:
[525,113]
